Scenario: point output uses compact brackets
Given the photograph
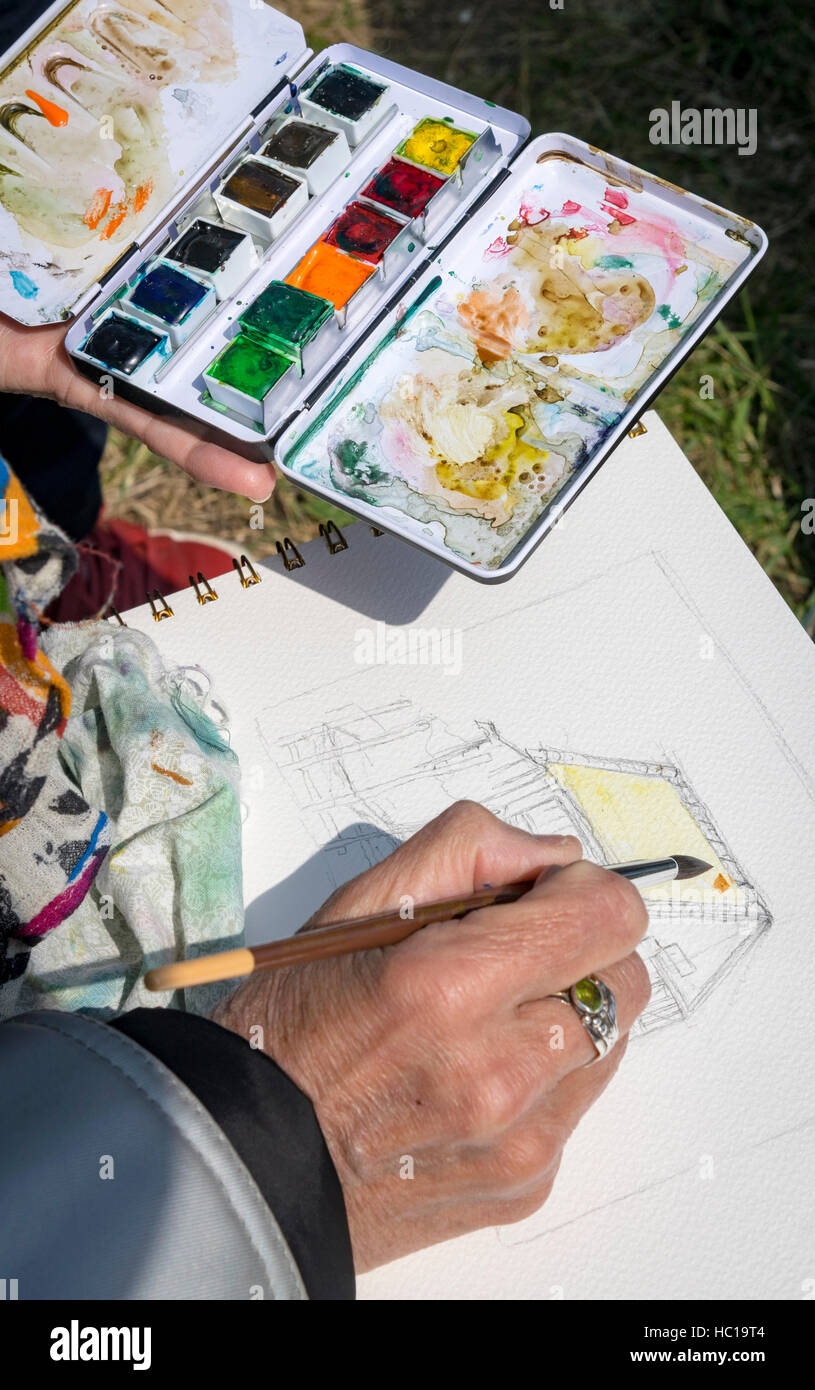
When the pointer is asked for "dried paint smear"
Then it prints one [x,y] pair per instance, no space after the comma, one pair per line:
[546,326]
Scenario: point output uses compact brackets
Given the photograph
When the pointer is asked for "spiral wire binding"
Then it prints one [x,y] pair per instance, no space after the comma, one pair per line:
[247,580]
[204,591]
[246,572]
[159,613]
[333,537]
[290,555]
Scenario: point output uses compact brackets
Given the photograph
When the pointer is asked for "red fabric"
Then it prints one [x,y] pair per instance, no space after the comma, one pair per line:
[147,560]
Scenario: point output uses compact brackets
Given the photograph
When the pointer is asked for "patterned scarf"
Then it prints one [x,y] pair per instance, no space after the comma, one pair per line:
[52,842]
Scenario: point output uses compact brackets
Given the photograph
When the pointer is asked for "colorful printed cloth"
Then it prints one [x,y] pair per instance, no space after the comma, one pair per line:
[52,841]
[119,809]
[141,746]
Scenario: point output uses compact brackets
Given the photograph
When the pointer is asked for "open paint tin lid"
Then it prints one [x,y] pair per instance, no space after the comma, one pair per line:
[109,116]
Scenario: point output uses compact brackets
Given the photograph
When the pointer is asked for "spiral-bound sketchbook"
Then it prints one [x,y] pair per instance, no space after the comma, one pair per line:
[642,685]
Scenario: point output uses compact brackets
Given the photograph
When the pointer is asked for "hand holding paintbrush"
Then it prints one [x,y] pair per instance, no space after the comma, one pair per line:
[452,1049]
[382,928]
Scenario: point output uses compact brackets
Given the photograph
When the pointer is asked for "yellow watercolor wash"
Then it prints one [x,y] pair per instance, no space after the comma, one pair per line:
[491,476]
[437,145]
[644,818]
[587,249]
[513,453]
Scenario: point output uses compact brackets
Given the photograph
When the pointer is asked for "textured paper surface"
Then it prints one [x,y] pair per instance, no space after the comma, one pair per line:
[642,633]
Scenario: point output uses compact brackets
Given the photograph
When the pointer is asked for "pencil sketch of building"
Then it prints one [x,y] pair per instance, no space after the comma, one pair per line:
[363,781]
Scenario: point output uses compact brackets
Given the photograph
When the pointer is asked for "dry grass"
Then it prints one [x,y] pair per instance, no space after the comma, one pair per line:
[330,21]
[142,488]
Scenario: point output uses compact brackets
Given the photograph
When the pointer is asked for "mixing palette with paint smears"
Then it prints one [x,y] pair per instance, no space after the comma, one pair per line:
[109,117]
[523,354]
[256,249]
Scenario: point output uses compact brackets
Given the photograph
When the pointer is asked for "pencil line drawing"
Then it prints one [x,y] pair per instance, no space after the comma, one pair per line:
[784,748]
[529,1231]
[364,780]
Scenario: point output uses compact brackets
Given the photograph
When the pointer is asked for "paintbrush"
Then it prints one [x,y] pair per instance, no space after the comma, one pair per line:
[383,928]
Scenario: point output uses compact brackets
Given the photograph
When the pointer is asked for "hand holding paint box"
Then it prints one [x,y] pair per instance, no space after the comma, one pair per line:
[549,360]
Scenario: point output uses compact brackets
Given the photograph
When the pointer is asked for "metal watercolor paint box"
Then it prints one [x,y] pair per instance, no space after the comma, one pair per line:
[562,309]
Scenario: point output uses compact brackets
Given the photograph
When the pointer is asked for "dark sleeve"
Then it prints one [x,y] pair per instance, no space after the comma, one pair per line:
[271,1125]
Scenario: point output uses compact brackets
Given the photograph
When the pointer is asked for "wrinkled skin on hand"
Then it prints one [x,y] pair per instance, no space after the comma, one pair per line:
[445,1049]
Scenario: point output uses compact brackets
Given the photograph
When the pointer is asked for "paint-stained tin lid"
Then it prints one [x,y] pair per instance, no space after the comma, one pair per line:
[107,114]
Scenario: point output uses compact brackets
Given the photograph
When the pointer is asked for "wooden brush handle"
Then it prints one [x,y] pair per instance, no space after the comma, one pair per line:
[335,939]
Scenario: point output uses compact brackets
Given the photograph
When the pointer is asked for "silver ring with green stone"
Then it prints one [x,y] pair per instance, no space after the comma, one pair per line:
[596,1007]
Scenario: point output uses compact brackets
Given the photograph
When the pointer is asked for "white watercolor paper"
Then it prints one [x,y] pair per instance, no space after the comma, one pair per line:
[642,640]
